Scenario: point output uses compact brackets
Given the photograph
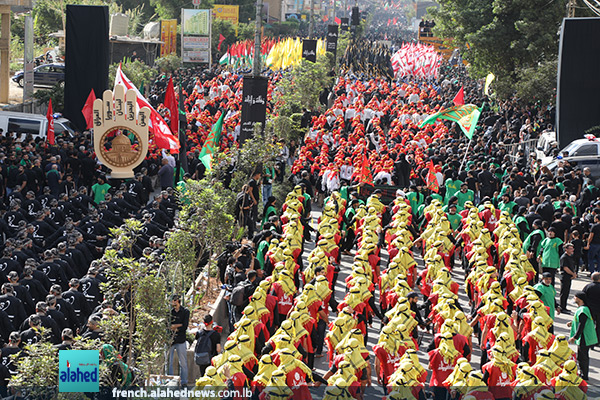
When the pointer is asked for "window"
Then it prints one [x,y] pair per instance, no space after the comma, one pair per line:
[24,126]
[588,149]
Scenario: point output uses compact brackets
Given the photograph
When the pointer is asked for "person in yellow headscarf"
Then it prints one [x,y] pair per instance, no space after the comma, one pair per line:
[442,362]
[266,367]
[499,373]
[538,339]
[526,383]
[544,367]
[568,385]
[277,388]
[457,380]
[560,352]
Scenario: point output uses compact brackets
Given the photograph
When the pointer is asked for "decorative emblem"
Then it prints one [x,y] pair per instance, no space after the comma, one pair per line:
[120,131]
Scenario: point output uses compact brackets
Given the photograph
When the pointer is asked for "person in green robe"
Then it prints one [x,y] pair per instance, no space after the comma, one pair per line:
[452,185]
[99,189]
[531,245]
[269,210]
[415,198]
[453,217]
[263,248]
[465,194]
[549,253]
[545,290]
[583,333]
[506,204]
[522,223]
[348,227]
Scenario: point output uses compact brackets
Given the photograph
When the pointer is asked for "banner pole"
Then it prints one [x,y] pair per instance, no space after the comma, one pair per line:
[465,157]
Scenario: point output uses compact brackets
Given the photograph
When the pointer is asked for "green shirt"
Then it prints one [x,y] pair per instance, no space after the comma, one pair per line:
[589,331]
[509,207]
[268,213]
[261,253]
[454,220]
[548,295]
[527,241]
[464,197]
[99,191]
[415,199]
[452,186]
[549,252]
[350,213]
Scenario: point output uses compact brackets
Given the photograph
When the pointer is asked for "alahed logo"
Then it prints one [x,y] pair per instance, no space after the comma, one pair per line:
[78,371]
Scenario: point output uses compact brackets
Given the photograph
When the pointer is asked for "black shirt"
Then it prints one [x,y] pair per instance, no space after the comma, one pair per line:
[180,317]
[215,339]
[592,291]
[596,231]
[569,262]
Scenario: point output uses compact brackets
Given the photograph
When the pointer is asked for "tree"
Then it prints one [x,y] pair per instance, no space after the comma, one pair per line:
[205,224]
[503,37]
[137,71]
[225,28]
[56,94]
[301,88]
[168,63]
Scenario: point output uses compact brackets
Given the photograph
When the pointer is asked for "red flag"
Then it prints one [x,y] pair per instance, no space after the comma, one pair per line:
[163,137]
[365,173]
[325,18]
[459,99]
[221,39]
[171,104]
[88,110]
[432,183]
[50,119]
[338,21]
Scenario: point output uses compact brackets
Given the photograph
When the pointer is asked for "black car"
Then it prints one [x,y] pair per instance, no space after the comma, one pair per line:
[44,75]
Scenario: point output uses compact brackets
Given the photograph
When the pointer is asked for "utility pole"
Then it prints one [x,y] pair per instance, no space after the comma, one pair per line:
[256,63]
[311,26]
[571,8]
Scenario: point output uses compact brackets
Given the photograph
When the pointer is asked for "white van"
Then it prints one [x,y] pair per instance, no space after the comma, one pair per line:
[35,124]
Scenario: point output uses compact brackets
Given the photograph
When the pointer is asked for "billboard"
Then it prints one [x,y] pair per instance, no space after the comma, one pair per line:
[168,35]
[196,36]
[227,13]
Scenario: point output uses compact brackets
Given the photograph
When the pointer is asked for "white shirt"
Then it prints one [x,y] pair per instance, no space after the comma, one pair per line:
[346,172]
[169,158]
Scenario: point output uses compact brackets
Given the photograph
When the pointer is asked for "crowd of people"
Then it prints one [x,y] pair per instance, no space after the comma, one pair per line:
[508,225]
[57,208]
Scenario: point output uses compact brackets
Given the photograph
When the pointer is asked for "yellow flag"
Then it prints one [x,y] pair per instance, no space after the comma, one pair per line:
[488,82]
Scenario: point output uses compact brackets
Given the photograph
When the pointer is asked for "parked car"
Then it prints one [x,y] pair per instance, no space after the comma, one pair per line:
[34,124]
[44,75]
[582,153]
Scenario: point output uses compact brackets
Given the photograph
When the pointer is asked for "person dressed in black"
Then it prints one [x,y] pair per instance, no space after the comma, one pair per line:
[180,318]
[568,267]
[209,339]
[592,292]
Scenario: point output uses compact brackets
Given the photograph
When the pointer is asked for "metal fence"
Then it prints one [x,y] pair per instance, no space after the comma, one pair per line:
[528,146]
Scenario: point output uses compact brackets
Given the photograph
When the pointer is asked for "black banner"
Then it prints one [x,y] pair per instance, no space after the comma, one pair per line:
[86,58]
[577,99]
[332,37]
[355,16]
[254,105]
[309,49]
[345,23]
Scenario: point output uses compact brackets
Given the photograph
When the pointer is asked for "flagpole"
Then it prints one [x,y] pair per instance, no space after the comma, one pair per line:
[465,157]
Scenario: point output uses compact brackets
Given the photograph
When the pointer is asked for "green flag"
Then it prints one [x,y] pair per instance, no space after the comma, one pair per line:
[466,116]
[212,141]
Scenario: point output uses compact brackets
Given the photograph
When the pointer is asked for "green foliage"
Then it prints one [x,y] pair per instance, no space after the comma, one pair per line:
[56,93]
[38,372]
[287,128]
[245,30]
[168,63]
[138,71]
[225,28]
[285,28]
[342,44]
[145,323]
[205,224]
[503,37]
[171,9]
[49,15]
[537,84]
[301,88]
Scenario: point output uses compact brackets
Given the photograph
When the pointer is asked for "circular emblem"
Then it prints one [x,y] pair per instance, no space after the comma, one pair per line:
[120,147]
